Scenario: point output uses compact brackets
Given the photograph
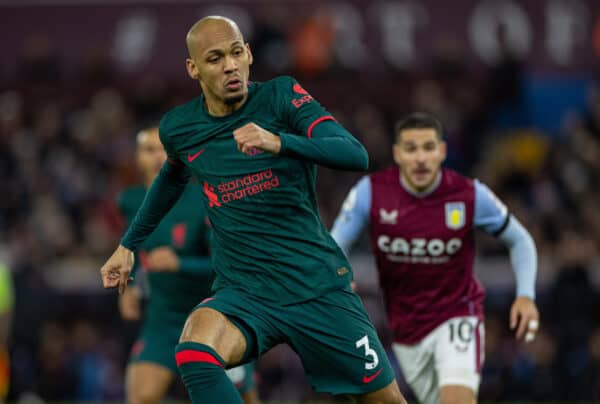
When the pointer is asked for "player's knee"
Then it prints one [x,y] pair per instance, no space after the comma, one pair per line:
[213,329]
[203,326]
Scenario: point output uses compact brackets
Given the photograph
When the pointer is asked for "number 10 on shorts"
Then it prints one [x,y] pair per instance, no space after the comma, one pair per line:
[369,353]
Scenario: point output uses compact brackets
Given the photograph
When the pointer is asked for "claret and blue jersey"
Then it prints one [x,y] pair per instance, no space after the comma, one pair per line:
[424,246]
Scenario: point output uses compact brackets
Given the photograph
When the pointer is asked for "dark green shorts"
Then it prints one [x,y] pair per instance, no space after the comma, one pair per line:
[332,334]
[157,342]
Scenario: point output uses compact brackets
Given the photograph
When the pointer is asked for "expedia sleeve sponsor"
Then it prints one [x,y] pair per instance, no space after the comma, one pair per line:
[296,106]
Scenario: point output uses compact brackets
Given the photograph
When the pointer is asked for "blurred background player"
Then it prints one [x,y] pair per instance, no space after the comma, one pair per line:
[176,261]
[422,220]
[6,309]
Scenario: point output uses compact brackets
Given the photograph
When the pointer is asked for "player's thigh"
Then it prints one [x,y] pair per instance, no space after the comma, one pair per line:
[459,352]
[418,367]
[338,345]
[259,321]
[146,382]
[457,395]
[210,327]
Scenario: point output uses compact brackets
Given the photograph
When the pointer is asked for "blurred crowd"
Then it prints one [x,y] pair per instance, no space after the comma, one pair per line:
[67,148]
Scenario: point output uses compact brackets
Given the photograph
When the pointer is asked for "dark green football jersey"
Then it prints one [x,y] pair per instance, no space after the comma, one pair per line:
[185,230]
[268,237]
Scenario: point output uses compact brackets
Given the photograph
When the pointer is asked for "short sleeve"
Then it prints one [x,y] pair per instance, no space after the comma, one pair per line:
[491,214]
[354,215]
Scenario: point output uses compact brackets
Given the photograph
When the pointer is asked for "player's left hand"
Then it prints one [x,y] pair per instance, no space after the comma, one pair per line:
[525,318]
[251,136]
[116,270]
[162,259]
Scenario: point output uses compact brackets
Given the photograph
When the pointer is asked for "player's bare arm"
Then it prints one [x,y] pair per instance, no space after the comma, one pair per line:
[524,318]
[116,270]
[253,136]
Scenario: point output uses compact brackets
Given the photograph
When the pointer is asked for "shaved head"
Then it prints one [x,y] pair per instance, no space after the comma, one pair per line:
[219,60]
[207,27]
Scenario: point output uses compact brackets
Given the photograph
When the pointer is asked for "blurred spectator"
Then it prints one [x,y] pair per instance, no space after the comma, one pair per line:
[534,373]
[312,42]
[39,62]
[571,311]
[6,313]
[57,380]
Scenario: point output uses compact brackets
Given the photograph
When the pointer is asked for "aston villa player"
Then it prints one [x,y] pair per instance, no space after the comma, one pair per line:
[422,222]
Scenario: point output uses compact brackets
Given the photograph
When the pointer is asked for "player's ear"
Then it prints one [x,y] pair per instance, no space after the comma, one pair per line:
[396,153]
[443,150]
[250,57]
[192,69]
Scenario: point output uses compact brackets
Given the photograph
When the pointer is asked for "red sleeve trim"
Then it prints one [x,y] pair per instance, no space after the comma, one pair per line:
[189,355]
[316,122]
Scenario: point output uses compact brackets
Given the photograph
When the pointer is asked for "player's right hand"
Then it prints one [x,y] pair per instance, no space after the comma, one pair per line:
[524,318]
[252,136]
[129,303]
[115,272]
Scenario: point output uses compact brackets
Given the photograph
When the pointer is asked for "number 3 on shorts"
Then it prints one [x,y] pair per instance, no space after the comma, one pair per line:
[369,353]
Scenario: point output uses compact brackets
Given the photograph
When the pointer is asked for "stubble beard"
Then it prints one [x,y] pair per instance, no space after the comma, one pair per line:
[234,99]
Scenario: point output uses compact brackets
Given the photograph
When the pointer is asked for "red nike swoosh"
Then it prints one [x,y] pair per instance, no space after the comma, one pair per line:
[369,379]
[192,157]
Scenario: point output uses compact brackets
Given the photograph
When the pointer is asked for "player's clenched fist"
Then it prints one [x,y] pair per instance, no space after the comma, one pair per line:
[115,272]
[251,136]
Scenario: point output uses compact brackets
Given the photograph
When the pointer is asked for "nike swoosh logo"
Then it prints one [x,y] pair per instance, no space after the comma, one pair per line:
[369,379]
[192,157]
